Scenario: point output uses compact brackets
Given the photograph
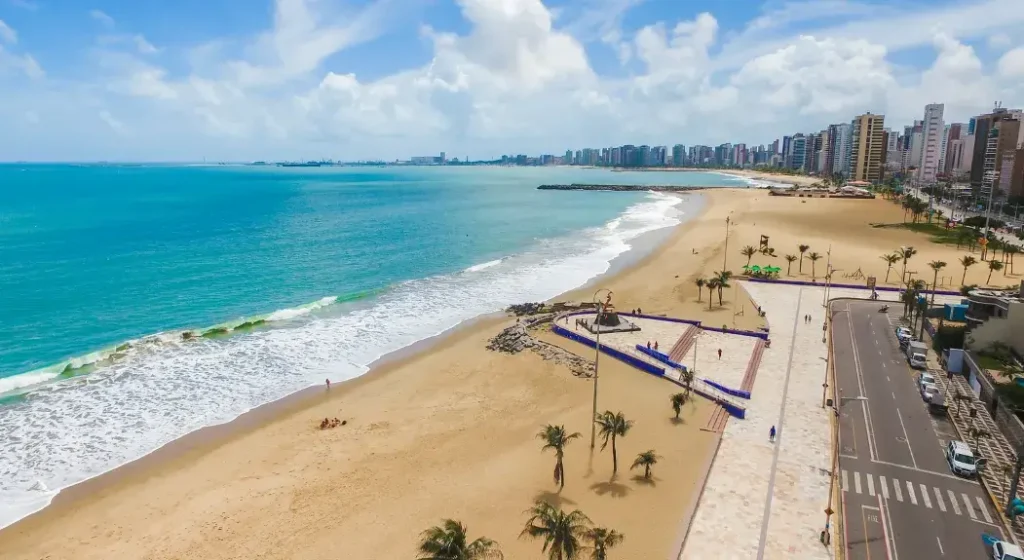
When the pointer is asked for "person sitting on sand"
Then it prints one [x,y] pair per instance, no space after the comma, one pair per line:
[324,424]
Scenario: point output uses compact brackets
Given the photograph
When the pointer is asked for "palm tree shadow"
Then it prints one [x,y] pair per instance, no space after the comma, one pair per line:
[676,421]
[611,488]
[639,479]
[553,498]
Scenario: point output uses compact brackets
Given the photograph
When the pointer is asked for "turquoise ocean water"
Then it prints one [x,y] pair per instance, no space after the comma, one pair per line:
[140,303]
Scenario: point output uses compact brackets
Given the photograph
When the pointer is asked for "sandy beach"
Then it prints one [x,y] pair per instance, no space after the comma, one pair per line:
[451,431]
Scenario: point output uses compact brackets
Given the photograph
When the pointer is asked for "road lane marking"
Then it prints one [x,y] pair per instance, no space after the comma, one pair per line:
[884,486]
[846,481]
[887,378]
[896,487]
[970,508]
[856,481]
[924,496]
[910,492]
[894,395]
[871,484]
[938,498]
[925,471]
[912,460]
[872,448]
[883,510]
[952,502]
[942,552]
[984,510]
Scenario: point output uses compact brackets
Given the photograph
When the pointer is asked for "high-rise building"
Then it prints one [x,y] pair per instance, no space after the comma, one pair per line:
[916,145]
[981,165]
[822,156]
[644,156]
[798,149]
[931,142]
[866,147]
[679,155]
[838,153]
[954,131]
[787,151]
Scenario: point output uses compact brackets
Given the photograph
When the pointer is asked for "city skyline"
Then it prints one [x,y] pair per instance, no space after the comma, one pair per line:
[340,79]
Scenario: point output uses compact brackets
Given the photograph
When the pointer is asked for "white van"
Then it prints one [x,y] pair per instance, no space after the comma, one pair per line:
[1002,550]
[961,460]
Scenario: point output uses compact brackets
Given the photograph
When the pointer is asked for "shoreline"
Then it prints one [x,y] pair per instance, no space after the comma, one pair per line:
[190,446]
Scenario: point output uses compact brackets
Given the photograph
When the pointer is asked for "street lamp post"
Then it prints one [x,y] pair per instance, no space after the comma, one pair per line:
[725,257]
[597,357]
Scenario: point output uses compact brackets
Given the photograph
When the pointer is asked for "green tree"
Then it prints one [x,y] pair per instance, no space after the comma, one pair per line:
[612,425]
[936,266]
[890,260]
[748,252]
[448,541]
[993,266]
[966,261]
[789,266]
[647,459]
[561,532]
[1009,250]
[678,400]
[711,284]
[803,249]
[555,437]
[813,257]
[686,376]
[700,287]
[723,277]
[906,253]
[601,540]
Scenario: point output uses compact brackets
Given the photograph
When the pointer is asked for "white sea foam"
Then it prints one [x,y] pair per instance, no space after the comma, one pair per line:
[13,383]
[157,392]
[483,266]
[295,312]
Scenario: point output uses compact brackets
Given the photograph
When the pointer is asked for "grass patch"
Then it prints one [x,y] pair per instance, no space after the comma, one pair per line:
[988,362]
[937,233]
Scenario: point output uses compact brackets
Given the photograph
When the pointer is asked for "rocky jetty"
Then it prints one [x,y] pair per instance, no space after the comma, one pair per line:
[517,338]
[525,309]
[588,187]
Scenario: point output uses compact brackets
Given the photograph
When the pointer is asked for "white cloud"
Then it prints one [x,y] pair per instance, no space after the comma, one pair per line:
[520,81]
[20,63]
[7,35]
[1011,64]
[104,19]
[999,41]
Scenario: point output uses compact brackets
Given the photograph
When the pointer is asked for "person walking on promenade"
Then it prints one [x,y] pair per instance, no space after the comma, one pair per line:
[771,435]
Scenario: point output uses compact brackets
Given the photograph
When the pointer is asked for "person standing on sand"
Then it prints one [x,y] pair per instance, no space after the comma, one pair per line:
[771,435]
[719,353]
[328,384]
[655,344]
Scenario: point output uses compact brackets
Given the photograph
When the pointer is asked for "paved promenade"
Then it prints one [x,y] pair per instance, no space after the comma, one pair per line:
[765,500]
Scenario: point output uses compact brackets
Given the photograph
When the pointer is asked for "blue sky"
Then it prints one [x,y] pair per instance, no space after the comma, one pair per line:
[352,79]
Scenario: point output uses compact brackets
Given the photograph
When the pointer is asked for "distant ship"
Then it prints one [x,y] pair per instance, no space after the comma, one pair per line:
[302,164]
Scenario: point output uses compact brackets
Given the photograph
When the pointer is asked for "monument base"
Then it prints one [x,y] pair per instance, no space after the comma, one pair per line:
[623,326]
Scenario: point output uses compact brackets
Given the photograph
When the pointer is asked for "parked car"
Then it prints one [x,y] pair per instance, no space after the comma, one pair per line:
[925,378]
[929,391]
[1002,550]
[961,460]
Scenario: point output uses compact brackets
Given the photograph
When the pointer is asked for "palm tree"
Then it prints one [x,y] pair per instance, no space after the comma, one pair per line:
[700,287]
[964,237]
[647,459]
[678,400]
[789,267]
[560,531]
[906,253]
[601,540]
[748,252]
[1008,252]
[723,277]
[936,266]
[959,399]
[992,266]
[890,260]
[613,425]
[814,257]
[966,261]
[978,433]
[448,542]
[556,438]
[711,284]
[686,376]
[803,249]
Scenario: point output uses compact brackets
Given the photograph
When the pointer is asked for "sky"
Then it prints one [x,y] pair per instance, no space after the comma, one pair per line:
[234,80]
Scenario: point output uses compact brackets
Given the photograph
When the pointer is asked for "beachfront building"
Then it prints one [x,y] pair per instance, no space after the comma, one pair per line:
[867,145]
[798,147]
[996,316]
[837,155]
[932,150]
[991,139]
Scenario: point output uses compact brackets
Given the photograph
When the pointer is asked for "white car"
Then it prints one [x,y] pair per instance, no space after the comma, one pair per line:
[925,378]
[929,390]
[1002,550]
[961,460]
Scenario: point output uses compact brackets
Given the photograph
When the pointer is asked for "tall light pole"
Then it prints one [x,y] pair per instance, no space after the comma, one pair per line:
[597,357]
[828,274]
[988,210]
[725,258]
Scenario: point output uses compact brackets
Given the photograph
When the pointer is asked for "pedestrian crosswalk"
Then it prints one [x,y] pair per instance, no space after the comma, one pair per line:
[916,494]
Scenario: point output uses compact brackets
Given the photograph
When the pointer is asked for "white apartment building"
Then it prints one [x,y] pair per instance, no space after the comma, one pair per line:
[841,152]
[931,142]
[943,147]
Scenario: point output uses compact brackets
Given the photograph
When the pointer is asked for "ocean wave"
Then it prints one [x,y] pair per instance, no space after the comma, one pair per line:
[483,266]
[165,386]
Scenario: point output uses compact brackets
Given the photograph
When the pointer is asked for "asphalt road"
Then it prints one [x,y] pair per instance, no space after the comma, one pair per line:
[900,499]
